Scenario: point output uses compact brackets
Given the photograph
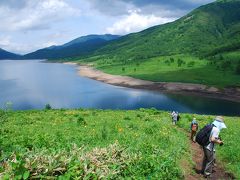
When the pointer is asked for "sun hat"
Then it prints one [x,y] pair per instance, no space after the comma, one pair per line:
[219,122]
[219,118]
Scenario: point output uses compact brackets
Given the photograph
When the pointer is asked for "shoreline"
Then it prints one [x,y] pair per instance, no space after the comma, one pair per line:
[230,94]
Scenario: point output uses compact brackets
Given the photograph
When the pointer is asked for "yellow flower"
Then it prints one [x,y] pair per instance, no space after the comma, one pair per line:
[120,129]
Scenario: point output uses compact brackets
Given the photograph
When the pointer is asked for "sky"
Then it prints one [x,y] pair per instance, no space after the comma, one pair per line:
[28,25]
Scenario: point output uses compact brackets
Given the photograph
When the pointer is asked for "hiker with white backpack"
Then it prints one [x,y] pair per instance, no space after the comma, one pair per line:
[174,117]
[207,137]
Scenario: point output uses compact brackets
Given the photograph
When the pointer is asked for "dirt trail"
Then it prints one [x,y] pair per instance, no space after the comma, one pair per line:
[197,156]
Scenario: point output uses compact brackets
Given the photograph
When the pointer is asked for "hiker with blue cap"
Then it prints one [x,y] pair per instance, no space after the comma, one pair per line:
[209,149]
[193,129]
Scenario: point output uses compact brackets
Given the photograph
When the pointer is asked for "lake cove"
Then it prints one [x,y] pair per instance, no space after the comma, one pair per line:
[33,84]
[231,93]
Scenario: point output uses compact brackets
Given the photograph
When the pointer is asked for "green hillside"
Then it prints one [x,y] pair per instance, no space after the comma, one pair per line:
[96,144]
[180,68]
[193,49]
[204,31]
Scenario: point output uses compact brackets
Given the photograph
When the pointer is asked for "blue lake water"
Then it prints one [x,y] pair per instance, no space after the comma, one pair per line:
[33,84]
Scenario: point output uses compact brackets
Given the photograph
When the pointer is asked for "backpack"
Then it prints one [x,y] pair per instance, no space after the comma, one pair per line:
[178,117]
[194,127]
[202,137]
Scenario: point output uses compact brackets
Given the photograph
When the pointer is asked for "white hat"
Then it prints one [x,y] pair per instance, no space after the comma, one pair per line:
[219,123]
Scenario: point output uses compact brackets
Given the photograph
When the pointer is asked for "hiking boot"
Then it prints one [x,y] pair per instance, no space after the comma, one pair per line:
[209,176]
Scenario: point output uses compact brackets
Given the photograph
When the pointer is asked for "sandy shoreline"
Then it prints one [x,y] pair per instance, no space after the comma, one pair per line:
[232,94]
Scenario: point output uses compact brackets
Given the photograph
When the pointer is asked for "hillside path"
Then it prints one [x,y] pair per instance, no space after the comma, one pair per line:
[197,156]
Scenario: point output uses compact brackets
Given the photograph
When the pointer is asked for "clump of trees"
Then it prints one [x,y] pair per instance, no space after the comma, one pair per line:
[225,65]
[170,61]
[238,68]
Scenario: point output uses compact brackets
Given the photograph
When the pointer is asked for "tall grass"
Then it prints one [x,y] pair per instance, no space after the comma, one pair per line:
[91,144]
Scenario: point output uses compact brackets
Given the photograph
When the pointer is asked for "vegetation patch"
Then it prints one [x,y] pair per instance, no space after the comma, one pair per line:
[90,144]
[179,68]
[51,144]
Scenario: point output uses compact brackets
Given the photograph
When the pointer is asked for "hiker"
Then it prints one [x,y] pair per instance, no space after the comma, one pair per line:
[193,129]
[174,117]
[209,149]
[178,116]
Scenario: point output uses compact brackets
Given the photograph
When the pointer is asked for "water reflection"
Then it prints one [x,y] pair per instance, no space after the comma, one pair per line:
[32,84]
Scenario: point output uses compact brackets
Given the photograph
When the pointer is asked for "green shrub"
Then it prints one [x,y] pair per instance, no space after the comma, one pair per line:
[172,60]
[127,118]
[167,62]
[180,62]
[81,120]
[191,64]
[104,132]
[48,107]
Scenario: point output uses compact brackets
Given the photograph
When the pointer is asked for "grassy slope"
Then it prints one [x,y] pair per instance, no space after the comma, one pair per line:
[140,144]
[162,69]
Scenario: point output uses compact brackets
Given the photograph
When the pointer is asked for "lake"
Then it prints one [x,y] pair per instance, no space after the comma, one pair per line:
[31,84]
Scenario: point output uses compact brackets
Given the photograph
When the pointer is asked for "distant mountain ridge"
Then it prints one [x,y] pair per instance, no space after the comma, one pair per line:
[8,55]
[78,47]
[82,39]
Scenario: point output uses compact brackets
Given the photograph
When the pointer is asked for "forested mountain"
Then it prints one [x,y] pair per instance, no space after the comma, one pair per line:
[205,31]
[77,47]
[8,55]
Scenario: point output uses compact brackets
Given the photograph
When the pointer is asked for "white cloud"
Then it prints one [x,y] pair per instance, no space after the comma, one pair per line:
[35,15]
[27,25]
[49,43]
[5,41]
[136,22]
[7,44]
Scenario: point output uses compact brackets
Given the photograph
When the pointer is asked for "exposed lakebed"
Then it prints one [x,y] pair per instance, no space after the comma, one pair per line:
[31,84]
